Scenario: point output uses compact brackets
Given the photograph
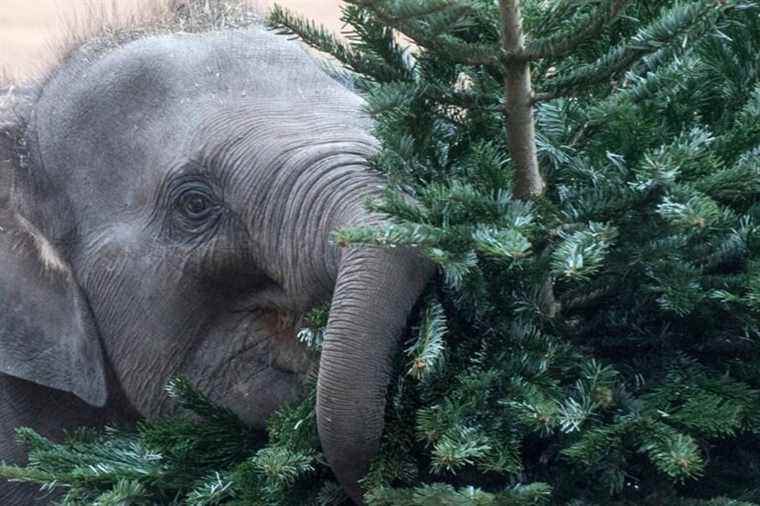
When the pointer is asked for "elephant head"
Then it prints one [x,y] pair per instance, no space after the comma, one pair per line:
[170,211]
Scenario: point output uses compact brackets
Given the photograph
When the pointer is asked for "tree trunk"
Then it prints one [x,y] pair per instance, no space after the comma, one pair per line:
[521,133]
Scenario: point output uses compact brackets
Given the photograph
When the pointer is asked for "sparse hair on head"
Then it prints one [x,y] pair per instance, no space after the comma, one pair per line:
[5,79]
[113,22]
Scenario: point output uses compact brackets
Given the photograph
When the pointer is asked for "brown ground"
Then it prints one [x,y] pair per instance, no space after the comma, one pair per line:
[28,26]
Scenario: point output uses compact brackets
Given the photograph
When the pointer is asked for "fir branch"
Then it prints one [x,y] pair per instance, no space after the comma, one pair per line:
[288,22]
[533,494]
[124,492]
[564,43]
[675,454]
[404,11]
[698,212]
[406,18]
[581,254]
[458,449]
[321,39]
[379,44]
[282,466]
[390,236]
[507,244]
[213,491]
[426,355]
[648,40]
[456,266]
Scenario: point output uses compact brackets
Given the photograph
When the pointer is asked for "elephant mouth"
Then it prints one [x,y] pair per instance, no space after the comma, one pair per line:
[259,366]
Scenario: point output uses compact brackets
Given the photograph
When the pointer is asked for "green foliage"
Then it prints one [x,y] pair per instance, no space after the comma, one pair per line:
[426,354]
[446,495]
[601,340]
[312,331]
[204,457]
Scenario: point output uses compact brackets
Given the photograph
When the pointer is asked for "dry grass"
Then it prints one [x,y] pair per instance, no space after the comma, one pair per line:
[114,20]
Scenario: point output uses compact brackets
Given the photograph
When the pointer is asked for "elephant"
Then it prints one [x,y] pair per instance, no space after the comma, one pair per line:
[167,203]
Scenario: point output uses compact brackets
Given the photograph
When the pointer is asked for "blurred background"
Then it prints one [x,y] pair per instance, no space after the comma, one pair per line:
[29,27]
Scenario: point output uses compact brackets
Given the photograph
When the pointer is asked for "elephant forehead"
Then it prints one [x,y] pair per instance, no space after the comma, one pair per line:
[171,84]
[251,60]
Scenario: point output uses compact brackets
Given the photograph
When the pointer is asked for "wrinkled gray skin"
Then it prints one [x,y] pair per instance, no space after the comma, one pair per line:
[171,216]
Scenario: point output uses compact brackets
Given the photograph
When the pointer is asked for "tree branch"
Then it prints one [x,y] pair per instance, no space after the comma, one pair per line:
[462,52]
[676,22]
[563,44]
[627,57]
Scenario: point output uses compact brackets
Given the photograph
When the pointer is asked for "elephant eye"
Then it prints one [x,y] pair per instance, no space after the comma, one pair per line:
[195,205]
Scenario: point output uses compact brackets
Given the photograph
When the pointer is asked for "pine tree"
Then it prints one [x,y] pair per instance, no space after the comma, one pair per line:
[593,335]
[591,340]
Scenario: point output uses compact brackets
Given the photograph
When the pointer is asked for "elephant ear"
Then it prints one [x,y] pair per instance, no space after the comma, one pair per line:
[47,333]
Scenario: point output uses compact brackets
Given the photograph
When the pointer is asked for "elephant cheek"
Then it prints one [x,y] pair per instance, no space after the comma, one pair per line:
[254,401]
[258,366]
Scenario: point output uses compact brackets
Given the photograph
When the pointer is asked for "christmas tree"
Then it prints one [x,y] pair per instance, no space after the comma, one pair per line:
[586,175]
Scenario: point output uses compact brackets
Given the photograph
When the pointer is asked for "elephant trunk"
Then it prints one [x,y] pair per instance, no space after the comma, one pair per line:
[374,293]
